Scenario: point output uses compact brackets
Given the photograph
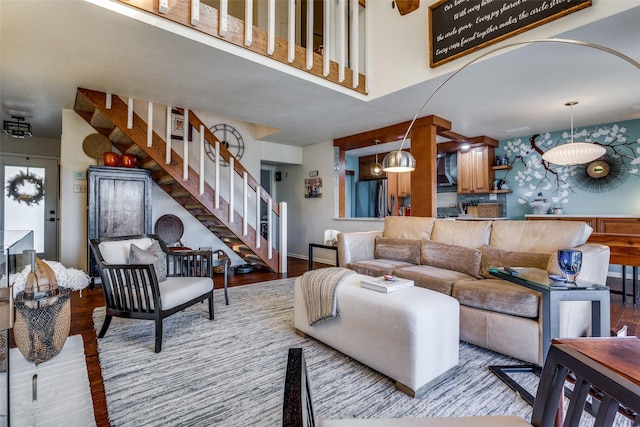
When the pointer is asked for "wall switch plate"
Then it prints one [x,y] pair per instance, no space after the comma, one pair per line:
[79,175]
[79,188]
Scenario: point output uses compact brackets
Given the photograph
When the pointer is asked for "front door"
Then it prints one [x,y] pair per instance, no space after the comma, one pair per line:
[30,200]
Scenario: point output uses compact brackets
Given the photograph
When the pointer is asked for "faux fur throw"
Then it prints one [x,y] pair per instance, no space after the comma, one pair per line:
[66,277]
[319,292]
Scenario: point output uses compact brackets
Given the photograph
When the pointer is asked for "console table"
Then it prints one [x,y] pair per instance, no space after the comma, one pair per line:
[322,246]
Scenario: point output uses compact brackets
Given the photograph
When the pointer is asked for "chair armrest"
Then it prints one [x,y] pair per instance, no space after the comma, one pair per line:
[356,246]
[190,264]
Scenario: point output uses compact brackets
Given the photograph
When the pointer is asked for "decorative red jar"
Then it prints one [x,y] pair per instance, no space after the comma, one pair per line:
[128,161]
[110,158]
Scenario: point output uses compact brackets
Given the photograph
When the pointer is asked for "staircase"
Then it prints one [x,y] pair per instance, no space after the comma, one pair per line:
[128,132]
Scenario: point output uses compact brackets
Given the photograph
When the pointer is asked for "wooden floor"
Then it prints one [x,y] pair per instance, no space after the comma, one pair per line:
[82,323]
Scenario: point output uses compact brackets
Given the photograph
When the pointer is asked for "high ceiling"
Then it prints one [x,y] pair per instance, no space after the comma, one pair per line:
[48,49]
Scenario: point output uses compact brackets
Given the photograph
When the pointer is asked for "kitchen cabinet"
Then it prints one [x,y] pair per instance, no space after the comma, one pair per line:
[398,185]
[119,204]
[475,174]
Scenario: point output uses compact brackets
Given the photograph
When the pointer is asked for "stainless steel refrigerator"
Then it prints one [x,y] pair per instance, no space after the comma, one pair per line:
[371,198]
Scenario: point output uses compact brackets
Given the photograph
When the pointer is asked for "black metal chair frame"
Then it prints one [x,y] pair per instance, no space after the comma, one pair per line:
[131,290]
[614,390]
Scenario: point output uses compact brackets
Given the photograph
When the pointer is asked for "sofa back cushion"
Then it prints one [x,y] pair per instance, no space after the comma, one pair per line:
[117,251]
[408,227]
[494,257]
[451,257]
[539,236]
[407,250]
[472,234]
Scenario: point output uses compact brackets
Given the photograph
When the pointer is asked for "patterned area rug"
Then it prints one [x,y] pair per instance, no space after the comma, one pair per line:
[230,371]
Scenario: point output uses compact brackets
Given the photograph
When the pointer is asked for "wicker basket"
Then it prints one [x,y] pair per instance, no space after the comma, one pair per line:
[490,210]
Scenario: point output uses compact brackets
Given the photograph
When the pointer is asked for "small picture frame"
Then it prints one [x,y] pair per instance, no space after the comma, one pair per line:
[178,125]
[313,188]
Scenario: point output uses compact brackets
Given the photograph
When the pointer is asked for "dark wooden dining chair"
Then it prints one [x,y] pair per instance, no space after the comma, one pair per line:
[613,393]
[138,291]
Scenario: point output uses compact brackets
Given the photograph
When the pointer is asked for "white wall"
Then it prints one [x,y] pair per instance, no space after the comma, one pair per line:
[41,147]
[405,40]
[73,206]
[308,218]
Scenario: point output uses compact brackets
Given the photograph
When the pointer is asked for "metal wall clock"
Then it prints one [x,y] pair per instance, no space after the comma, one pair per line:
[230,138]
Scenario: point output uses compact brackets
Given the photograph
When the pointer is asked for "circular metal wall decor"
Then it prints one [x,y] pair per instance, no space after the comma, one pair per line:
[603,174]
[230,138]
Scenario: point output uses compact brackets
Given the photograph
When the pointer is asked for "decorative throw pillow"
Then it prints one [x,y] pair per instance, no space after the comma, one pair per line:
[406,250]
[451,257]
[152,255]
[494,257]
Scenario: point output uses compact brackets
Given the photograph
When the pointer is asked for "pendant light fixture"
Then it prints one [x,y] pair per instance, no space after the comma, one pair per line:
[376,168]
[574,153]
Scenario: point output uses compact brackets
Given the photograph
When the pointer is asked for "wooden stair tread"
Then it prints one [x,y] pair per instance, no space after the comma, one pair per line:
[99,120]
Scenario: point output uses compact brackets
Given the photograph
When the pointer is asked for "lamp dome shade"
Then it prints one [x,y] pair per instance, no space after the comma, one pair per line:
[574,153]
[399,161]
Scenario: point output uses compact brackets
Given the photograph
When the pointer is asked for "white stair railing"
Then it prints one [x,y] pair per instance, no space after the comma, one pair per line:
[201,168]
[341,32]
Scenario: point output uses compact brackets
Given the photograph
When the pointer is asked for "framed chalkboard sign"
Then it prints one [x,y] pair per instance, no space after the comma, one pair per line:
[459,27]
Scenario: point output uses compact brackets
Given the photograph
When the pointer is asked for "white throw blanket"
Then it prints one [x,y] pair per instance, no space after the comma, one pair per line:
[319,291]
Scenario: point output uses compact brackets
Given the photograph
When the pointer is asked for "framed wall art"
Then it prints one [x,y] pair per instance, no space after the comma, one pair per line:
[313,188]
[178,124]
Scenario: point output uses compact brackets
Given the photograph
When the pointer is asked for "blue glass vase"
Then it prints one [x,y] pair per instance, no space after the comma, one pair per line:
[570,262]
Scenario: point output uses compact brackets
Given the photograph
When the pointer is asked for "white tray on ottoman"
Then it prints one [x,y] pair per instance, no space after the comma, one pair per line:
[411,335]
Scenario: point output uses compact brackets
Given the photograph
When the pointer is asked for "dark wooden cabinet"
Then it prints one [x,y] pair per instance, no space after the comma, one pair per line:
[118,204]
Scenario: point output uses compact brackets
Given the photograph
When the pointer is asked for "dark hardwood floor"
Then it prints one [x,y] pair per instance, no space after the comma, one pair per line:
[82,323]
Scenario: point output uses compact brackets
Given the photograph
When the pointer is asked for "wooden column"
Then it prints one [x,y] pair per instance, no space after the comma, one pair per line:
[423,182]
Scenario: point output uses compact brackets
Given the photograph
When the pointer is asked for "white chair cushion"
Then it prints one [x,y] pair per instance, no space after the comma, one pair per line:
[117,251]
[178,290]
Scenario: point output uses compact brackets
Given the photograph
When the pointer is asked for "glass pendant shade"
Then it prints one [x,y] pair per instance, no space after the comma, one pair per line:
[376,169]
[573,153]
[399,161]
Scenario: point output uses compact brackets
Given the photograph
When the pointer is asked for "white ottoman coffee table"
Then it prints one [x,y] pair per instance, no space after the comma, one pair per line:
[411,335]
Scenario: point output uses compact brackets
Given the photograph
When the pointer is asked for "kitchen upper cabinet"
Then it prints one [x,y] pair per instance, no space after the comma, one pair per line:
[475,174]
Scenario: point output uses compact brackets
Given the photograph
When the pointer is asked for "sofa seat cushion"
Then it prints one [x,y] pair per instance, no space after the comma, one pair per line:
[376,267]
[451,257]
[430,277]
[499,296]
[406,250]
[494,257]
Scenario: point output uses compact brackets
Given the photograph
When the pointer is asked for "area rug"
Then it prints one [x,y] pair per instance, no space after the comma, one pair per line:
[230,371]
[63,392]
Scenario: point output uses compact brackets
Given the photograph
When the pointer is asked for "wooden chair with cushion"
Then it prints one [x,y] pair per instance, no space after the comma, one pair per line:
[613,390]
[142,279]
